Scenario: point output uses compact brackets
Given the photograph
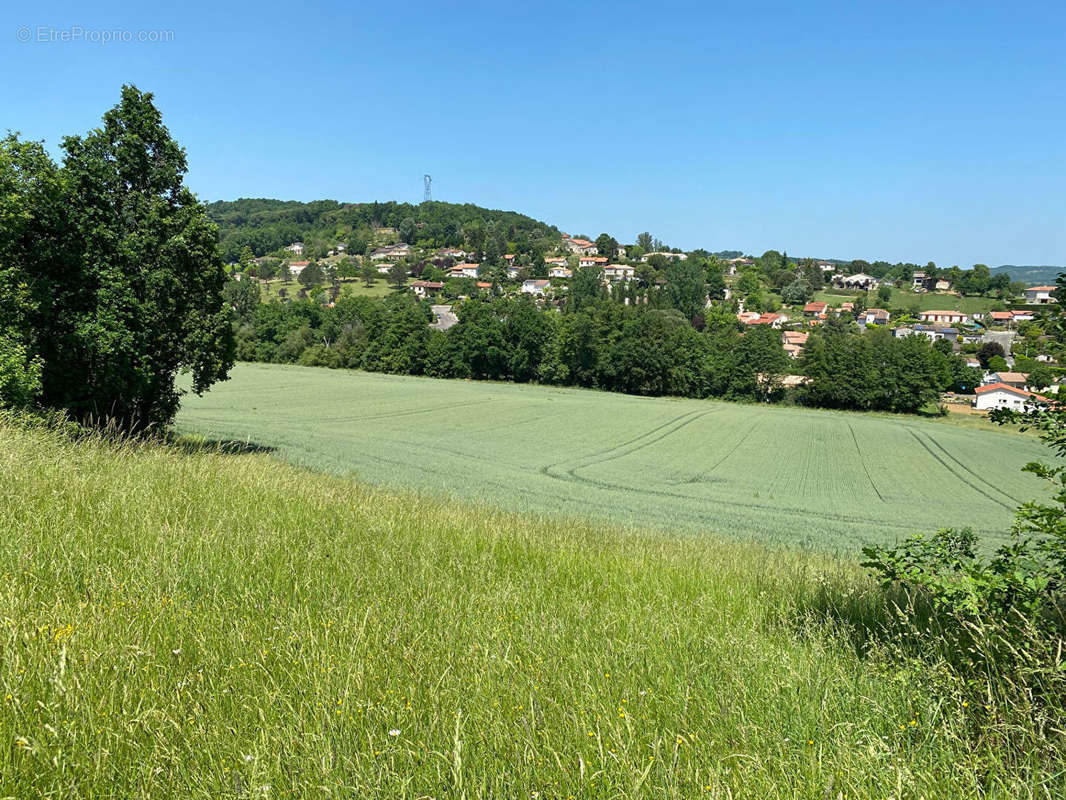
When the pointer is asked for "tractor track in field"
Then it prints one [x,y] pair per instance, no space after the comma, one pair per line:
[570,475]
[643,444]
[862,461]
[977,475]
[957,474]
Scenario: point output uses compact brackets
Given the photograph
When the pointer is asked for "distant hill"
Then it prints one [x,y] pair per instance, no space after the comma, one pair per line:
[1032,275]
[265,225]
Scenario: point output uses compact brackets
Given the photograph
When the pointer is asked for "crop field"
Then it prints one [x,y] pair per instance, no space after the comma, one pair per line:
[826,480]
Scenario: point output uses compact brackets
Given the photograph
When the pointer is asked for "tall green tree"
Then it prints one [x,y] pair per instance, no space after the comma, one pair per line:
[138,296]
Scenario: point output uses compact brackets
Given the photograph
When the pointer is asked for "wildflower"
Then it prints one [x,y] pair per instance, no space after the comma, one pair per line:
[176,652]
[964,704]
[248,758]
[394,732]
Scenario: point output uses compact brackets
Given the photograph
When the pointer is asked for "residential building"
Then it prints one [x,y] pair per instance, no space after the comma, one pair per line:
[464,270]
[535,287]
[296,267]
[591,261]
[946,317]
[1001,395]
[922,281]
[1018,380]
[560,272]
[426,288]
[394,252]
[618,272]
[1040,295]
[755,318]
[814,309]
[860,280]
[580,246]
[876,316]
[296,247]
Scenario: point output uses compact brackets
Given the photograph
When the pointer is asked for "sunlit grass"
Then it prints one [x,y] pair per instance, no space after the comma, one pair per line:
[193,624]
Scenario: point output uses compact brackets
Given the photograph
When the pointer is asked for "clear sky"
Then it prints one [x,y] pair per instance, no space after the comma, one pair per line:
[899,130]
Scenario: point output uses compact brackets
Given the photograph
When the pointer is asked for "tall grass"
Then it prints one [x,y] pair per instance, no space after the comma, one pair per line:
[198,624]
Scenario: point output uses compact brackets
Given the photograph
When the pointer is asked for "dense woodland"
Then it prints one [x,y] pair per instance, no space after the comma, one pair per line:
[266,226]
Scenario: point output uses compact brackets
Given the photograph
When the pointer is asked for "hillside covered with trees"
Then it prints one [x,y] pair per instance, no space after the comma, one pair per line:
[266,226]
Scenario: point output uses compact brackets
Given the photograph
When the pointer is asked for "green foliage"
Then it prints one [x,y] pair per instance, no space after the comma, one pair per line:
[1000,621]
[266,226]
[121,264]
[988,351]
[20,373]
[873,370]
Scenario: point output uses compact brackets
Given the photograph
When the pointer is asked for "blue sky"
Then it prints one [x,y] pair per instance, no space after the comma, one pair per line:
[899,130]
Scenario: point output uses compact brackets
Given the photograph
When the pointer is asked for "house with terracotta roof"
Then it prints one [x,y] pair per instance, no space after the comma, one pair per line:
[465,270]
[815,308]
[1040,295]
[591,261]
[1001,317]
[560,272]
[1001,395]
[943,317]
[755,318]
[580,246]
[1019,380]
[425,288]
[793,341]
[296,267]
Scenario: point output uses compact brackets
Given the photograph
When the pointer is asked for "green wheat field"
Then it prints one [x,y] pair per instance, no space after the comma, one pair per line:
[807,478]
[181,622]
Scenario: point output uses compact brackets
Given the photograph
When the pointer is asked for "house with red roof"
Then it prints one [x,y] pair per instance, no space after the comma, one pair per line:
[1002,395]
[1040,295]
[815,309]
[581,246]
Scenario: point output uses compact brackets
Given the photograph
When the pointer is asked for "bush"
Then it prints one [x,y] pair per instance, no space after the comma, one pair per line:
[999,621]
[20,375]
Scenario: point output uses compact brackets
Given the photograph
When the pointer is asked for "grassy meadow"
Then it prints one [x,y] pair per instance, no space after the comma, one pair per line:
[188,623]
[925,301]
[355,286]
[797,477]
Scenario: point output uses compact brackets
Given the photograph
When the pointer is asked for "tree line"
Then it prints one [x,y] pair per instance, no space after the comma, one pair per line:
[596,342]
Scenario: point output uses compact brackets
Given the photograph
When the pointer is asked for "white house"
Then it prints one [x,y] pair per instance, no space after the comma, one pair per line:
[535,287]
[1040,295]
[945,317]
[1000,395]
[560,272]
[466,270]
[296,247]
[618,272]
[296,267]
[424,288]
[592,261]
